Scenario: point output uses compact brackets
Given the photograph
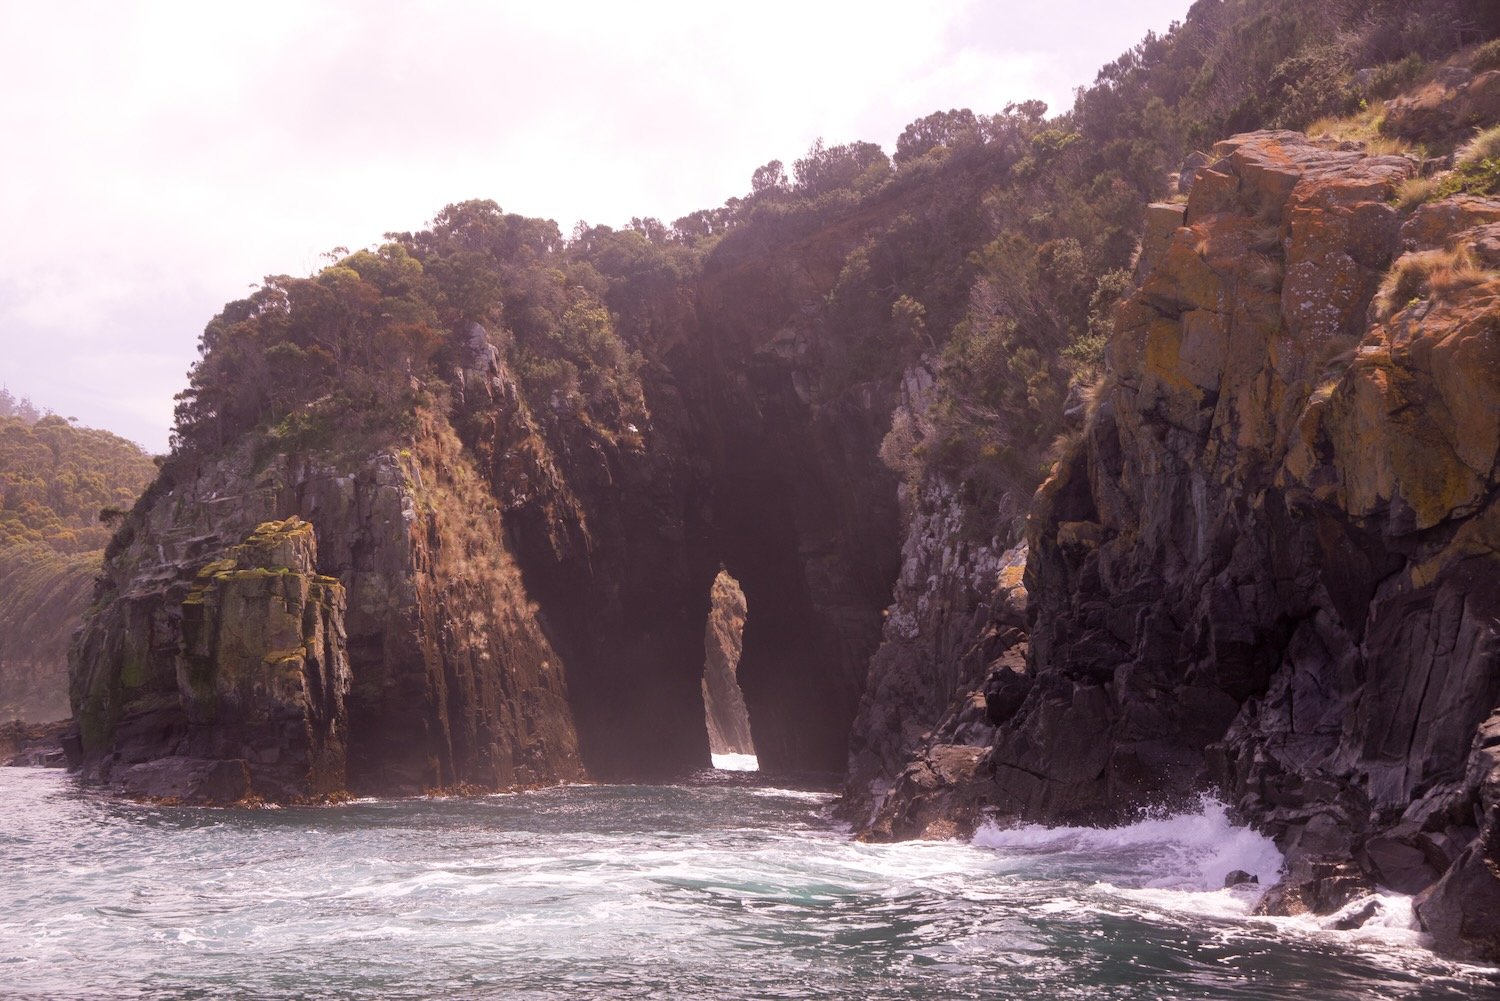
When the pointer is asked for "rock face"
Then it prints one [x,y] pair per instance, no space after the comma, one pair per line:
[264,665]
[727,718]
[260,681]
[1164,557]
[1452,105]
[952,653]
[527,587]
[450,680]
[954,643]
[1271,563]
[608,530]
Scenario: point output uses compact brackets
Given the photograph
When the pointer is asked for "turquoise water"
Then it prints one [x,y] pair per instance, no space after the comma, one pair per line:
[719,888]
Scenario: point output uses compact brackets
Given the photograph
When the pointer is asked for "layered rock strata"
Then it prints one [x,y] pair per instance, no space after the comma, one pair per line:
[528,586]
[254,704]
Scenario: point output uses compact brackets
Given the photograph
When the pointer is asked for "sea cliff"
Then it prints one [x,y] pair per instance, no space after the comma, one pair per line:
[1268,565]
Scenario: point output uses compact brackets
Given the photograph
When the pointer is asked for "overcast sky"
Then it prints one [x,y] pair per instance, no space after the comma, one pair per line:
[156,159]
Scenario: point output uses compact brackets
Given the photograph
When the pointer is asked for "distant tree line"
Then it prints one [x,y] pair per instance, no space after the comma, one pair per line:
[22,409]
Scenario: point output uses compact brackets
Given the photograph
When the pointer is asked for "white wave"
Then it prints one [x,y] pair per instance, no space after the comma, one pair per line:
[1385,919]
[807,795]
[1186,851]
[1166,868]
[736,762]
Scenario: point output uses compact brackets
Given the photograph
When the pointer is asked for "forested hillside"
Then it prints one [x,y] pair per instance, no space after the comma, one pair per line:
[55,481]
[989,247]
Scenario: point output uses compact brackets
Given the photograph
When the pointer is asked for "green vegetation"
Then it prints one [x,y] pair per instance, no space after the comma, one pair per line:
[56,481]
[56,478]
[990,248]
[1476,168]
[1476,171]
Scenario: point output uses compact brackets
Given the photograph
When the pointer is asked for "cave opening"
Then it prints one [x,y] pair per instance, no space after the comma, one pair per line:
[730,743]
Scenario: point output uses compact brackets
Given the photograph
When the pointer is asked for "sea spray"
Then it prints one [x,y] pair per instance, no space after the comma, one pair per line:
[1185,851]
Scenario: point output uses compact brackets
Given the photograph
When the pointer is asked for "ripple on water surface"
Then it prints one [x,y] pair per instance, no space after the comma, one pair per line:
[727,887]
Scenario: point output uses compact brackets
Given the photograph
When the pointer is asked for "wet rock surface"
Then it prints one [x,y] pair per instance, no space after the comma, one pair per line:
[953,639]
[1287,586]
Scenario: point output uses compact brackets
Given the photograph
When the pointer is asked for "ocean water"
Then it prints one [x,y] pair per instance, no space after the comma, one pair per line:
[723,887]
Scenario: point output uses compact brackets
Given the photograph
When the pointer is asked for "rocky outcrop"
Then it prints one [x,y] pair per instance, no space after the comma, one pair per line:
[727,718]
[528,573]
[451,682]
[33,744]
[260,680]
[1270,564]
[1462,909]
[953,643]
[1161,549]
[608,529]
[1448,108]
[263,665]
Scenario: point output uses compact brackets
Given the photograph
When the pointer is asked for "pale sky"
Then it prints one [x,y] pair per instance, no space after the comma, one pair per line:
[157,158]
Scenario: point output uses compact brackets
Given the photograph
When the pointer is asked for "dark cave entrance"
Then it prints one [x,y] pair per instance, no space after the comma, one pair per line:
[730,743]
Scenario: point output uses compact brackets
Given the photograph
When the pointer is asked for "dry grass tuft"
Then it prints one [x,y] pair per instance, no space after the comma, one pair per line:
[1362,128]
[1484,146]
[1425,274]
[1415,191]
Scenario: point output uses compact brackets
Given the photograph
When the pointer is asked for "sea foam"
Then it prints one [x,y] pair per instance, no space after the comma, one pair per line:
[1185,851]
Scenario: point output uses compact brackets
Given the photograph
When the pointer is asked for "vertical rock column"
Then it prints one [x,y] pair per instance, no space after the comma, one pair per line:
[263,670]
[724,705]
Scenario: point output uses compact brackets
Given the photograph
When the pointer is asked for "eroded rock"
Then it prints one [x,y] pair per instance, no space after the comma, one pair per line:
[724,705]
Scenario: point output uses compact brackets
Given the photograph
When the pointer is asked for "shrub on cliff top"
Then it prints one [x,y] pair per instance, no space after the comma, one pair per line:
[1486,57]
